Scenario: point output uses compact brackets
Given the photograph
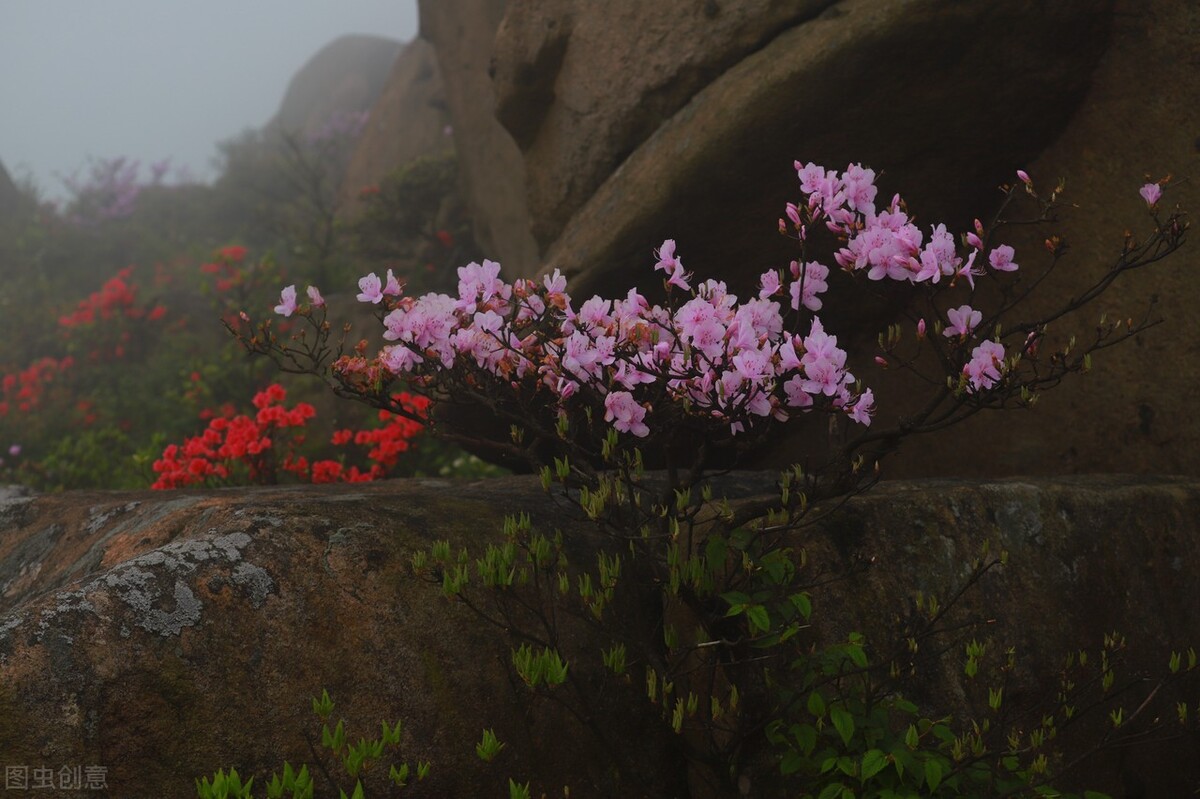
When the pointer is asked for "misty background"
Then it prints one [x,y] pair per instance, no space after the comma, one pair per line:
[150,80]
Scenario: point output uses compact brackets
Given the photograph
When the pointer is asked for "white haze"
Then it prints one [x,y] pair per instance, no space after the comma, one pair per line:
[155,79]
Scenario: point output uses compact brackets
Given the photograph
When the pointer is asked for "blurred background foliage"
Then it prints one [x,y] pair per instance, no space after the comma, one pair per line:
[114,299]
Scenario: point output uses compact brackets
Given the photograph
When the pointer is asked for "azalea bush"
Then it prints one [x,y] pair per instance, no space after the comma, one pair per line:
[588,392]
[259,449]
[71,411]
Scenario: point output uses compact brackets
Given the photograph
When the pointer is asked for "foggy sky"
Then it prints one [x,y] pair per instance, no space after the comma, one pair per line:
[152,79]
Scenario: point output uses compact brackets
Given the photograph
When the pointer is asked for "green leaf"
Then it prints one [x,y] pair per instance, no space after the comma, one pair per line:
[791,763]
[737,601]
[832,791]
[758,617]
[816,704]
[802,604]
[933,773]
[843,722]
[806,737]
[873,762]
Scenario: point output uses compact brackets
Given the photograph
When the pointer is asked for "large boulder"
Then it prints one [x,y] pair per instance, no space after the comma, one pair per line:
[555,65]
[161,635]
[1138,122]
[948,98]
[639,122]
[407,121]
[489,163]
[345,76]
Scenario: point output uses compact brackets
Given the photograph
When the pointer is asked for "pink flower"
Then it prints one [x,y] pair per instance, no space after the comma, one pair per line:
[768,283]
[824,362]
[963,321]
[480,283]
[698,325]
[399,358]
[287,302]
[862,410]
[921,328]
[625,414]
[797,397]
[371,289]
[938,258]
[860,188]
[555,283]
[1024,177]
[392,286]
[804,290]
[968,270]
[669,263]
[314,297]
[983,370]
[1151,193]
[1001,259]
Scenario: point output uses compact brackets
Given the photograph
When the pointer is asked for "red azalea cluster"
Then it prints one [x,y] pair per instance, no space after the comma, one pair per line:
[117,297]
[233,443]
[23,390]
[226,268]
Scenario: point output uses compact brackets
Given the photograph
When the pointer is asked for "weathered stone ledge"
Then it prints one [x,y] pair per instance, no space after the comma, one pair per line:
[166,634]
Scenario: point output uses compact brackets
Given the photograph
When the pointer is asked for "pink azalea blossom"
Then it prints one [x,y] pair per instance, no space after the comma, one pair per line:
[805,290]
[399,358]
[860,189]
[983,370]
[1151,193]
[555,283]
[668,262]
[1001,259]
[968,269]
[769,284]
[797,397]
[626,415]
[287,301]
[862,410]
[370,289]
[392,287]
[963,321]
[314,297]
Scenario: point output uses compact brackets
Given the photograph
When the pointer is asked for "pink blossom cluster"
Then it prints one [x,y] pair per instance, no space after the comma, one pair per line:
[720,359]
[704,352]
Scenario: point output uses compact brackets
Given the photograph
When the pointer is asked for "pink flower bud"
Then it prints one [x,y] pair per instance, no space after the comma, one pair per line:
[1024,177]
[1151,193]
[920,328]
